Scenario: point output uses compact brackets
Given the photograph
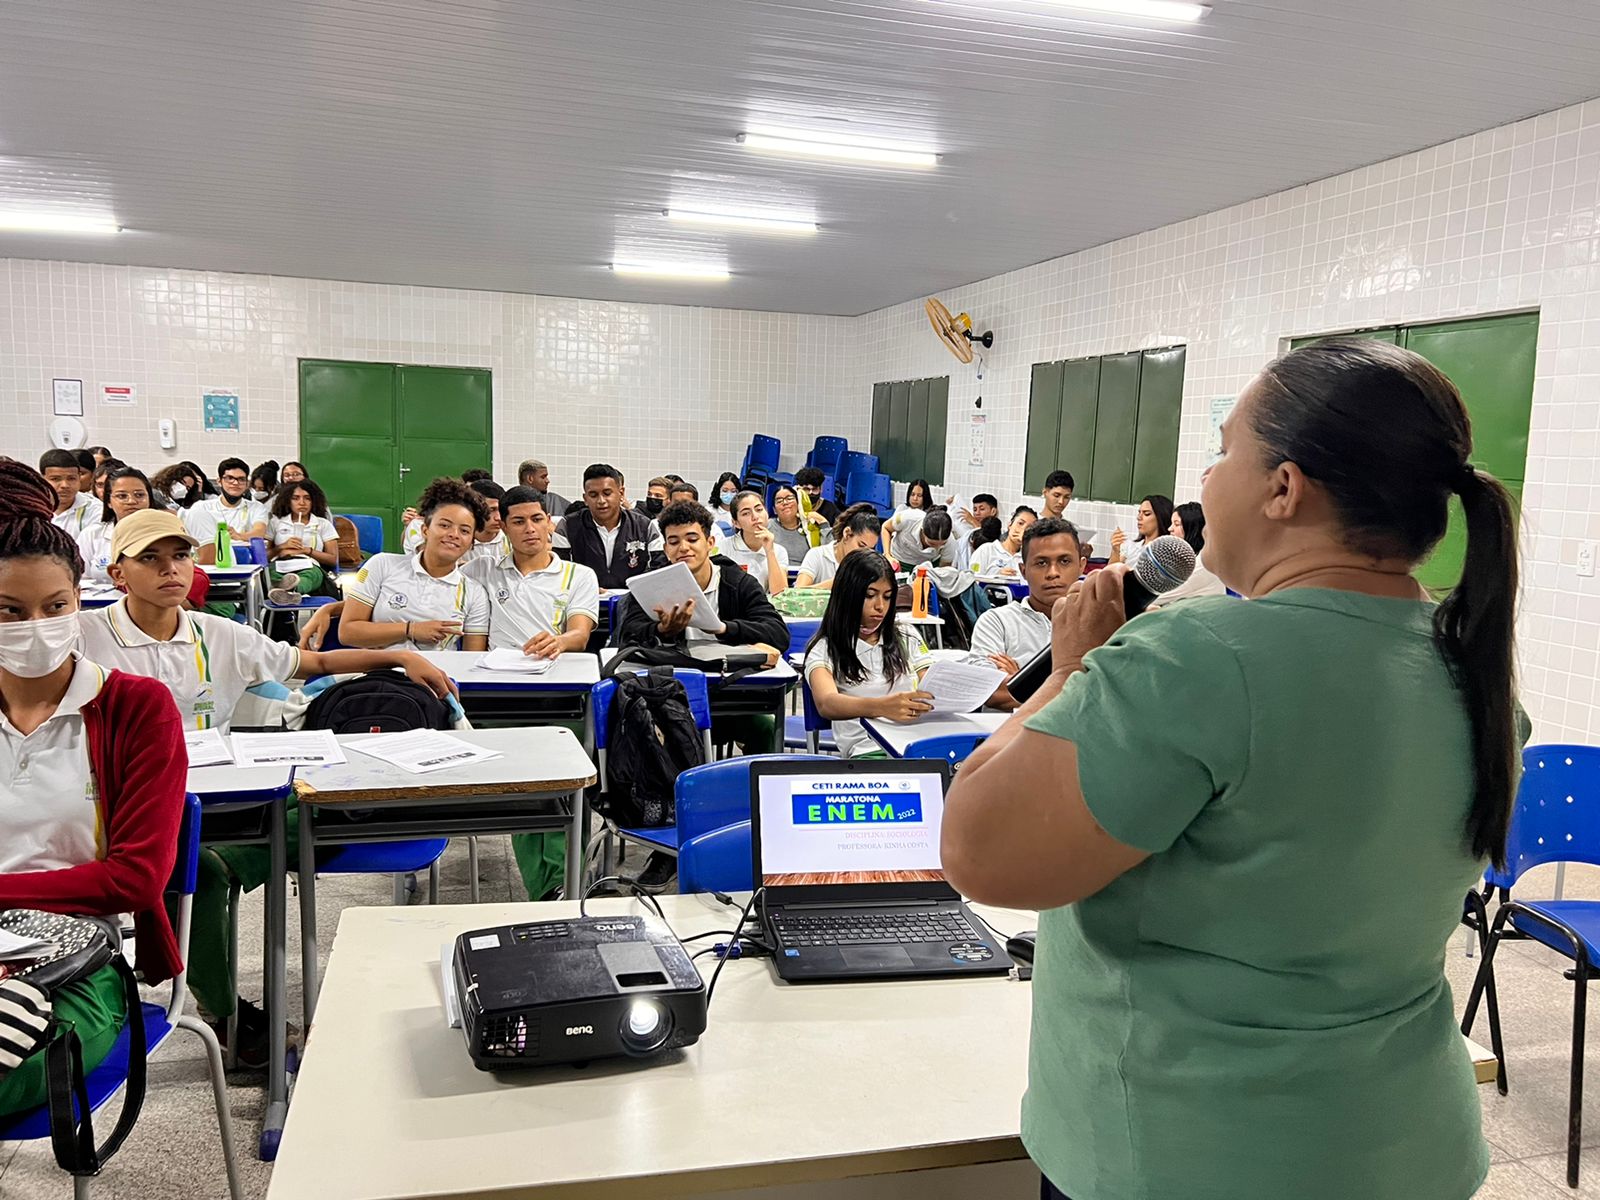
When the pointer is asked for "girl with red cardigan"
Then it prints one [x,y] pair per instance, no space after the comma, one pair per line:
[92,770]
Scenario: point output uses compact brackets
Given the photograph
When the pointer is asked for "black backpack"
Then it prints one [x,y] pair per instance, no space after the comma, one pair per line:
[378,702]
[652,738]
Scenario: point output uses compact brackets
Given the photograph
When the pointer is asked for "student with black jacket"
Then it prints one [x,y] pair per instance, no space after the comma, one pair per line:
[611,538]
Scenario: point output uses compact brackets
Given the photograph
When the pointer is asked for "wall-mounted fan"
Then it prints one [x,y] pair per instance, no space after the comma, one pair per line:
[956,331]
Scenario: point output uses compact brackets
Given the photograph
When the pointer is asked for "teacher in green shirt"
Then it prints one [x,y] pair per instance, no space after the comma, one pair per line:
[1250,825]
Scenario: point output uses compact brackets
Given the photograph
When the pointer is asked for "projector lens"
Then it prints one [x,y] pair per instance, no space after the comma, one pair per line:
[646,1026]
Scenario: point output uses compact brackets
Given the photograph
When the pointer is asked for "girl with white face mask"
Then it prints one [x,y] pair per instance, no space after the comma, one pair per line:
[93,769]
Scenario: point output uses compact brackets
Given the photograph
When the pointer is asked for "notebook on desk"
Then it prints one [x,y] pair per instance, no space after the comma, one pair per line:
[848,855]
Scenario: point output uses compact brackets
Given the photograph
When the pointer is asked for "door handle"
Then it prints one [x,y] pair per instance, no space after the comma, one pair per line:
[404,470]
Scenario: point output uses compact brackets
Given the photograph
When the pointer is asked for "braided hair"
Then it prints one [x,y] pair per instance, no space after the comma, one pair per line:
[27,504]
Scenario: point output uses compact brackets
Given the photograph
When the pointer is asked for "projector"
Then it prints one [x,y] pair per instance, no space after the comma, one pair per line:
[570,991]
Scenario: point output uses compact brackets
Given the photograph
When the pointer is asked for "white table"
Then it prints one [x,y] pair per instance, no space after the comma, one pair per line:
[833,1089]
[503,698]
[508,794]
[223,791]
[896,737]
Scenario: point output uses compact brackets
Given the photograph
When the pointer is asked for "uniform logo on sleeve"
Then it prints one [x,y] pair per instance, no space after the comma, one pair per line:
[361,575]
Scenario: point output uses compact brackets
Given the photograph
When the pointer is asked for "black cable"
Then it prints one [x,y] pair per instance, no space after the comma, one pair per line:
[982,920]
[744,916]
[620,885]
[700,937]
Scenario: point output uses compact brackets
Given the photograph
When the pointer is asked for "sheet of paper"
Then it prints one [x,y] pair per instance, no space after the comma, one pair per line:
[14,947]
[423,751]
[672,587]
[959,687]
[206,747]
[302,748]
[447,985]
[514,662]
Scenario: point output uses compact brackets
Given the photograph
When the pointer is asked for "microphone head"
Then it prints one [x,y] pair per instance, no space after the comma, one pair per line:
[1164,564]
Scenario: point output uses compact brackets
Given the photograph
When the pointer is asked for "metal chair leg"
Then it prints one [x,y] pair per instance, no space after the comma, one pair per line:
[231,1054]
[1580,998]
[1482,984]
[80,1187]
[219,1090]
[472,868]
[433,882]
[400,889]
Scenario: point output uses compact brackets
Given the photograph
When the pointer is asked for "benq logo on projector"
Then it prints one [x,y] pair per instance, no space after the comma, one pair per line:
[859,807]
[575,1030]
[623,925]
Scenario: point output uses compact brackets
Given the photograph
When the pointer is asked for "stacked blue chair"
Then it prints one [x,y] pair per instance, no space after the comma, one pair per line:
[826,453]
[1556,819]
[109,1078]
[874,489]
[852,462]
[761,460]
[809,731]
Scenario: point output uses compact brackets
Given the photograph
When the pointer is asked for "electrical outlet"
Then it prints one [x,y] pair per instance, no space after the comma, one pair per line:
[1586,559]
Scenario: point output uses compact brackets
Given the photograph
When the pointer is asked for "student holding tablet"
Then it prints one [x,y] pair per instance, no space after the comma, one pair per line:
[207,663]
[93,768]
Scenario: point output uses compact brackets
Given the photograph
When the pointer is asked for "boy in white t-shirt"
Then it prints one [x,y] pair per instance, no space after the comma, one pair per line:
[244,517]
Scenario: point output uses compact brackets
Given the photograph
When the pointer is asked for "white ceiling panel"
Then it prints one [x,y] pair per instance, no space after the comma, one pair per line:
[524,145]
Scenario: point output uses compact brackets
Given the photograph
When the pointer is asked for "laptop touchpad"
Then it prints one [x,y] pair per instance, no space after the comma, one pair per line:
[875,956]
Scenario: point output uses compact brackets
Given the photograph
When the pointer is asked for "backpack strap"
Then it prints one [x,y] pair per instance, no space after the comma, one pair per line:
[72,1136]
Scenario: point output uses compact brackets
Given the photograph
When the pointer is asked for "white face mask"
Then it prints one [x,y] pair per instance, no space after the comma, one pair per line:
[178,491]
[258,494]
[32,649]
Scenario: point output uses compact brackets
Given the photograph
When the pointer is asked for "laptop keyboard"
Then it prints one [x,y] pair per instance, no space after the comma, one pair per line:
[871,929]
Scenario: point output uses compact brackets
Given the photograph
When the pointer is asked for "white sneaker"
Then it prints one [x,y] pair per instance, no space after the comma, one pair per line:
[284,597]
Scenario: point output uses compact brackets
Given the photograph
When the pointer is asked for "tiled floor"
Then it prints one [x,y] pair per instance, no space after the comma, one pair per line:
[173,1152]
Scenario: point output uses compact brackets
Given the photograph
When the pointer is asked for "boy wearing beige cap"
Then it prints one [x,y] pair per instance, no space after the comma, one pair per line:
[208,663]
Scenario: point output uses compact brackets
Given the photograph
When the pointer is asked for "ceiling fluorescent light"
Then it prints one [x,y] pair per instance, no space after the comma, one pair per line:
[45,221]
[741,221]
[1161,10]
[705,272]
[821,146]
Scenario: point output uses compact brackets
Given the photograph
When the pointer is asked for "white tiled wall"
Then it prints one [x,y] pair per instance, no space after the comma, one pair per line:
[1507,219]
[651,388]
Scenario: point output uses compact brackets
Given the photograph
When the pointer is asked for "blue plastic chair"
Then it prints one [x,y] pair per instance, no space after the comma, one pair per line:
[718,861]
[954,748]
[853,462]
[715,794]
[1556,819]
[826,452]
[809,731]
[369,531]
[761,459]
[870,488]
[107,1079]
[600,700]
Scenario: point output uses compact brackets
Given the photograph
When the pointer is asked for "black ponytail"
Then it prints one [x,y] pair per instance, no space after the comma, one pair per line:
[1474,626]
[1385,433]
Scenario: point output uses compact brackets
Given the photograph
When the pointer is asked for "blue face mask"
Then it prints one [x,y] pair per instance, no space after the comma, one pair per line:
[727,497]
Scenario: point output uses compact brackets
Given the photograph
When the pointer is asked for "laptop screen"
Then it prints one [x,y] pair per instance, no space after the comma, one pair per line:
[850,825]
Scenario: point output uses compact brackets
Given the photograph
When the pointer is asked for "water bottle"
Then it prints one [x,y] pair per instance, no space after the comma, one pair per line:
[919,592]
[224,554]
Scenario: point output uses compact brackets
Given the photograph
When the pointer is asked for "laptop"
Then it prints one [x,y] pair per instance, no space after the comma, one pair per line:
[848,853]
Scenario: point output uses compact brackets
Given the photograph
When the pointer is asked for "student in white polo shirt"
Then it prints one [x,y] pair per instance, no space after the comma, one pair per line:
[208,663]
[244,517]
[1008,636]
[76,510]
[1004,556]
[752,544]
[491,540]
[542,606]
[422,600]
[856,529]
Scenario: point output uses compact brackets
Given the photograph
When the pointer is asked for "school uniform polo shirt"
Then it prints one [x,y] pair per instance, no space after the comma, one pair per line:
[201,519]
[820,564]
[1019,631]
[399,589]
[94,546]
[992,557]
[207,666]
[753,561]
[906,548]
[315,533]
[85,511]
[851,735]
[49,815]
[541,601]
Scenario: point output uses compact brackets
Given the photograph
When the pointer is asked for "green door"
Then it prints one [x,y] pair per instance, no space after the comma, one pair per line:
[880,424]
[894,463]
[938,417]
[1080,399]
[1044,420]
[374,434]
[1155,450]
[1116,425]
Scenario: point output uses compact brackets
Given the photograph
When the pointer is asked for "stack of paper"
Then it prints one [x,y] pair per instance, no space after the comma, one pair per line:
[514,662]
[206,747]
[673,587]
[958,687]
[303,748]
[422,751]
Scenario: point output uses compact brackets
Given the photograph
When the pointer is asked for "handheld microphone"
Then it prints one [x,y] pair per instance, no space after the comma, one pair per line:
[1166,563]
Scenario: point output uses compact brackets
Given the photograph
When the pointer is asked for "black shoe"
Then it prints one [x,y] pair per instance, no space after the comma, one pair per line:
[658,873]
[253,1051]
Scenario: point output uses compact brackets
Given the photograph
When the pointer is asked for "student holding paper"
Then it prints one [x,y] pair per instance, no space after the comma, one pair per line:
[207,663]
[92,763]
[859,664]
[856,529]
[1008,636]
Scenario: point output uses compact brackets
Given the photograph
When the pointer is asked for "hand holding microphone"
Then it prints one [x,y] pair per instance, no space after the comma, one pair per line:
[1099,605]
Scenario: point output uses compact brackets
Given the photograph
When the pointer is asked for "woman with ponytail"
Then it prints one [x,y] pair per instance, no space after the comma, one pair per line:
[92,769]
[1251,826]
